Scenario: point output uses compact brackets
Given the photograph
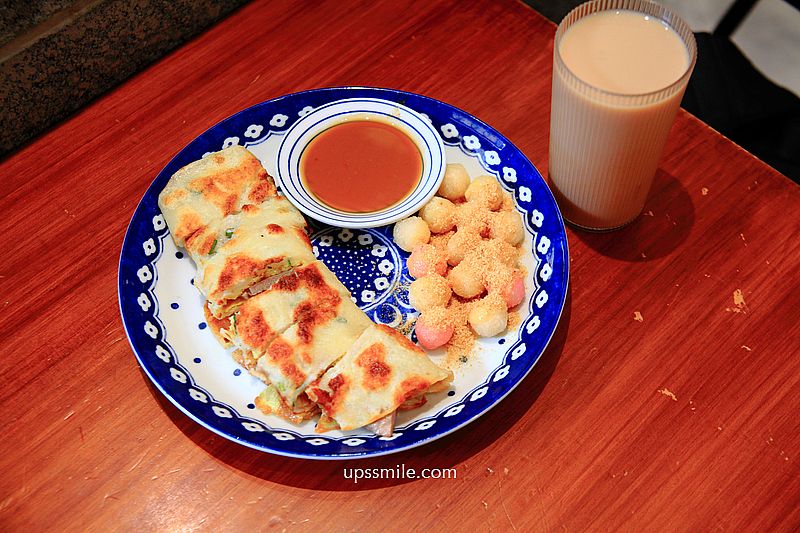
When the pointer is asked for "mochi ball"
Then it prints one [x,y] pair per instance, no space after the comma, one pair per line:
[455,182]
[486,192]
[489,317]
[439,213]
[410,233]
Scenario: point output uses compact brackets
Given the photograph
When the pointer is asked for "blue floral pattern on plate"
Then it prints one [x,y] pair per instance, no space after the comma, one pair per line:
[366,261]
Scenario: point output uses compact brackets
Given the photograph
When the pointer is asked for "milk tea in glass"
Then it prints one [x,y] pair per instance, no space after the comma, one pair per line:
[620,69]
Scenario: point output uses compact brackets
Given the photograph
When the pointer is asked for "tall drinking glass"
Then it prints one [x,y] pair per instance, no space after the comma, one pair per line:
[620,68]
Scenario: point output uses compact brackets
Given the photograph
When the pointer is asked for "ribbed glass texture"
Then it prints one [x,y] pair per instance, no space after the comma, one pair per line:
[605,146]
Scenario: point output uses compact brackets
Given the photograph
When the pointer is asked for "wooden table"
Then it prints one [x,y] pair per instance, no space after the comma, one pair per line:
[683,419]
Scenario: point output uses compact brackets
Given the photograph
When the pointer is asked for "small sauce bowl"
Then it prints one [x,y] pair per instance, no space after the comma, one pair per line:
[408,121]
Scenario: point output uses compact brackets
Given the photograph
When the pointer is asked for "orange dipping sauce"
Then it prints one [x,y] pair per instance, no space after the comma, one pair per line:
[361,166]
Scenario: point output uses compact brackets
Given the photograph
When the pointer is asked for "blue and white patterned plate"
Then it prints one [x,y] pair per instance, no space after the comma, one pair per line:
[163,317]
[300,135]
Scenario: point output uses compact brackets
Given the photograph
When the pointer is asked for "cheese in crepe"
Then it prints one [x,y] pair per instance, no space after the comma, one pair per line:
[380,372]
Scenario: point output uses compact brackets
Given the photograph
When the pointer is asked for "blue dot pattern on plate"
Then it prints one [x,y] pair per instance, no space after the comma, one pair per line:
[371,267]
[179,255]
[237,372]
[202,325]
[174,305]
[197,360]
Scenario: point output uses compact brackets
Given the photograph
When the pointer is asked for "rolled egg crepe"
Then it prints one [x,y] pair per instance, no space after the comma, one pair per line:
[263,317]
[200,195]
[258,243]
[380,372]
[299,355]
[225,211]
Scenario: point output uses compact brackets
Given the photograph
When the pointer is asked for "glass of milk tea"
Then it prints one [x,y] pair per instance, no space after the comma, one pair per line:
[620,68]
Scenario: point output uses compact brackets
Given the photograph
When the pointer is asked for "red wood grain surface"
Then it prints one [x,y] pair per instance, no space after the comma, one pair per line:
[685,420]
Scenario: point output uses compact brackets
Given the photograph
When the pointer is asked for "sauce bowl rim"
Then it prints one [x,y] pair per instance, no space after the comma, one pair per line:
[410,122]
